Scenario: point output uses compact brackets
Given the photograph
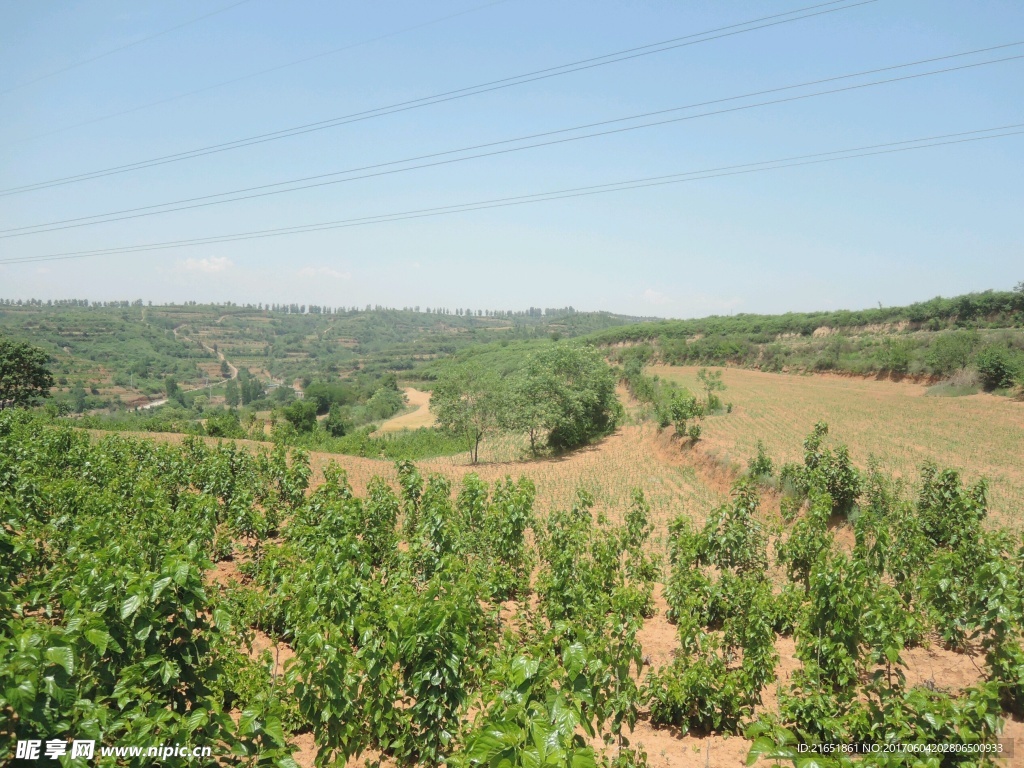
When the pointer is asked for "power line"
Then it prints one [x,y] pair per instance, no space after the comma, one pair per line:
[242,194]
[460,93]
[266,71]
[121,48]
[961,137]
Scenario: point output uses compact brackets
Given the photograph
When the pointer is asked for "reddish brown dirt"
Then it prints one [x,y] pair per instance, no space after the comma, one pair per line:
[224,573]
[658,638]
[305,752]
[788,663]
[1013,741]
[280,653]
[667,748]
[945,670]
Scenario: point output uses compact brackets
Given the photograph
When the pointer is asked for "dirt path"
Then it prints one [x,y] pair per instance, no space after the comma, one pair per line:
[420,417]
[220,357]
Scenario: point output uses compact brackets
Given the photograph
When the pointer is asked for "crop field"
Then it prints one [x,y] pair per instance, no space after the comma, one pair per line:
[547,553]
[982,435]
[660,618]
[636,456]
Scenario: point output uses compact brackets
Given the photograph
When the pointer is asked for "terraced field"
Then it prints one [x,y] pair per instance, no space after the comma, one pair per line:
[982,435]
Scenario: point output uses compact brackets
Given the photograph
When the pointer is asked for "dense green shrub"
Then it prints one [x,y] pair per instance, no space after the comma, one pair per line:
[999,366]
[224,424]
[301,414]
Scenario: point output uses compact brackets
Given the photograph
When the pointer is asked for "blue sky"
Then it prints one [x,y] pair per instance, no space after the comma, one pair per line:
[891,229]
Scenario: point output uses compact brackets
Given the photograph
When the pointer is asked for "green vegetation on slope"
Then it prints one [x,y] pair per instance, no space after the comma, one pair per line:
[669,404]
[561,395]
[976,336]
[126,350]
[102,354]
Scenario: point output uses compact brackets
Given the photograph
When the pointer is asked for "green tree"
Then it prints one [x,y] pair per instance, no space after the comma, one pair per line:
[467,400]
[527,407]
[24,376]
[952,351]
[171,387]
[284,394]
[224,424]
[894,355]
[385,403]
[335,424]
[712,382]
[250,387]
[231,395]
[565,392]
[78,398]
[998,366]
[579,387]
[301,414]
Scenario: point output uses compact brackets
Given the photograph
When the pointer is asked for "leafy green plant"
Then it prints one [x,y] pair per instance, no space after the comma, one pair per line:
[698,691]
[761,466]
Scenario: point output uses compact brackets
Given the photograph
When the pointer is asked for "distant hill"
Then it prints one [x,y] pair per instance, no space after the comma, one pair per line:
[975,333]
[123,351]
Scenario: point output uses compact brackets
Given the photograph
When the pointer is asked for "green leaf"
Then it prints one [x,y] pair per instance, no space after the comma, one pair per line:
[248,721]
[530,758]
[159,587]
[485,747]
[765,747]
[62,656]
[573,659]
[222,619]
[196,720]
[98,638]
[274,730]
[130,606]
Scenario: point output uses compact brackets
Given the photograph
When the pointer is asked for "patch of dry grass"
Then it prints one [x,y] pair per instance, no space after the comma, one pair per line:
[981,435]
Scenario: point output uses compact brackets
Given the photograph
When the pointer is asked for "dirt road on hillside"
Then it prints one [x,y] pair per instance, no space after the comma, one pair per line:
[420,417]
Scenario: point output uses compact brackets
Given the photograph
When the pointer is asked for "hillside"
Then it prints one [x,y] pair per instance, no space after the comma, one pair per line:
[932,339]
[121,353]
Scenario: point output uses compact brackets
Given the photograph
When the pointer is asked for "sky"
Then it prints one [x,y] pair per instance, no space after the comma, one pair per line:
[87,86]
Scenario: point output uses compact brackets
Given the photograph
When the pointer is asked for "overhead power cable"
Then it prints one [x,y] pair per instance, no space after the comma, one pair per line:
[267,71]
[121,48]
[460,93]
[816,158]
[266,190]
